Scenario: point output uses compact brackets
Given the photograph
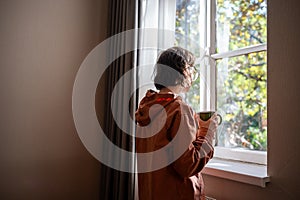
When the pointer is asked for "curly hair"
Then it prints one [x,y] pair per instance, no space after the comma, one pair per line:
[170,66]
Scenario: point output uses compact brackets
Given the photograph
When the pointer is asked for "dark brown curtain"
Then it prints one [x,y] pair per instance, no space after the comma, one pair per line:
[115,184]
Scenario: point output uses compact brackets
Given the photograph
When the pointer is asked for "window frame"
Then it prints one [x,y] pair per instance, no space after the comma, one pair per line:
[208,84]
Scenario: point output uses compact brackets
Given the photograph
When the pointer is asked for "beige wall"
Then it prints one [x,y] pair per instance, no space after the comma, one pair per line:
[283,112]
[43,43]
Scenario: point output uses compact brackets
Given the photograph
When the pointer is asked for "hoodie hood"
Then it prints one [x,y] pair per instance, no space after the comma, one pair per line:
[151,98]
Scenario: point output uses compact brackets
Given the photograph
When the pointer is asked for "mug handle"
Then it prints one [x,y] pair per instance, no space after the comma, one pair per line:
[220,119]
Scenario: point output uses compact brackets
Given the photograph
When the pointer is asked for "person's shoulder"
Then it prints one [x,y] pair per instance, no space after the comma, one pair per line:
[149,95]
[184,107]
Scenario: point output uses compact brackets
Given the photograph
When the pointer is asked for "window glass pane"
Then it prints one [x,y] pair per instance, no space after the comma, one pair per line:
[242,101]
[187,28]
[187,35]
[240,23]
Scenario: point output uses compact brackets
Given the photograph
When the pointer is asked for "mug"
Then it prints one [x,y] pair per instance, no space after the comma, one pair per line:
[206,115]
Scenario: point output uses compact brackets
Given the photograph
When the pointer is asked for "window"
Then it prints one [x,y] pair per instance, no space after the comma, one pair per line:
[229,39]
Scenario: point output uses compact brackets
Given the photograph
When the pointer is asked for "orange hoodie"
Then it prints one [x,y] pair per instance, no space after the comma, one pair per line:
[173,170]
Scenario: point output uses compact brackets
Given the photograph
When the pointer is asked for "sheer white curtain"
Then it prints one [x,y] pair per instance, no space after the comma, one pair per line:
[157,23]
[157,32]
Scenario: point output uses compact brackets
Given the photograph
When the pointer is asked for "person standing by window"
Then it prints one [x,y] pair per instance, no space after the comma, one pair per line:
[181,178]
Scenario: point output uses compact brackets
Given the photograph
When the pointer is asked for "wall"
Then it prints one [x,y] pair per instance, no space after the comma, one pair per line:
[283,112]
[42,46]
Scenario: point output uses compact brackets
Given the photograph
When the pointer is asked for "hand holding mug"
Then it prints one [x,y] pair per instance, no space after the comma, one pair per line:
[209,121]
[206,115]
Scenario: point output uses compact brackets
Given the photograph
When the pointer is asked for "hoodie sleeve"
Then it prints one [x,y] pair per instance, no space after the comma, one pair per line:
[200,150]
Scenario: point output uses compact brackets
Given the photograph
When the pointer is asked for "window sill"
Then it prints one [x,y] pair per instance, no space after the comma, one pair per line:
[249,173]
[240,154]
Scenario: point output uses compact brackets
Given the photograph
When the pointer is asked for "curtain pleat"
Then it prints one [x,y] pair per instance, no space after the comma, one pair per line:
[114,184]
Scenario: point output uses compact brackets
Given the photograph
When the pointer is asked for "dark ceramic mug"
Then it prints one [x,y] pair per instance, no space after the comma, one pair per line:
[206,115]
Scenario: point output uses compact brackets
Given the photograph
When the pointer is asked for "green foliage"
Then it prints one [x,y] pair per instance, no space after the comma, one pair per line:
[188,36]
[245,84]
[257,138]
[246,21]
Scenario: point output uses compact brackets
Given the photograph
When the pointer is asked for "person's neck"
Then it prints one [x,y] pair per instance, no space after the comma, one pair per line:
[171,89]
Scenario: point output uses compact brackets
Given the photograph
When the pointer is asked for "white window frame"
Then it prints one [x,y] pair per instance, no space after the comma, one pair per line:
[208,83]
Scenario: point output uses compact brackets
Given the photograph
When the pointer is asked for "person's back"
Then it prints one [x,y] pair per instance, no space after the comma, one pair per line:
[162,118]
[180,179]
